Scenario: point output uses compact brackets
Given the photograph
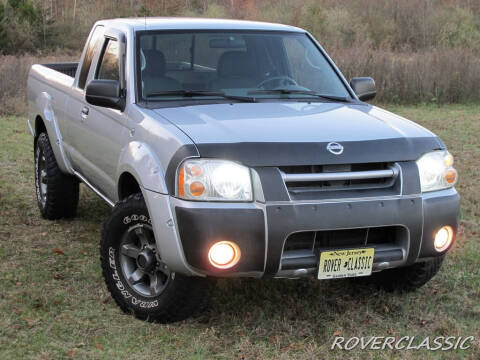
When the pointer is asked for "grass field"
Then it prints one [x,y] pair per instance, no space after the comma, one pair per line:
[54,304]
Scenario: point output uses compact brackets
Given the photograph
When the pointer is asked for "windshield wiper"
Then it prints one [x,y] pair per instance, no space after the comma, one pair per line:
[191,93]
[300,92]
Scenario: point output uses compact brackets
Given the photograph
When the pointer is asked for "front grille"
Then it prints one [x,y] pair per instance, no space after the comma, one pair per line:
[336,239]
[303,182]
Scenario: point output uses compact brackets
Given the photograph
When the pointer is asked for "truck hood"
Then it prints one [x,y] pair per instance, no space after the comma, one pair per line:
[295,133]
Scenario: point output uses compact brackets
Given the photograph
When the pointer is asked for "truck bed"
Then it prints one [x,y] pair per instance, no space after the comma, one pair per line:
[49,86]
[68,69]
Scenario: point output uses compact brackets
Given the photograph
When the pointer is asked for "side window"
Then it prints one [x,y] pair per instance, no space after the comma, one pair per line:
[109,68]
[87,61]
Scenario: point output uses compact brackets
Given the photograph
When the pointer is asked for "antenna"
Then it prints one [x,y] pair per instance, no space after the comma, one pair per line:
[139,47]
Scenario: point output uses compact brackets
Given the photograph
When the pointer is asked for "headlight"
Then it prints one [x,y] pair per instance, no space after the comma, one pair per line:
[436,171]
[214,180]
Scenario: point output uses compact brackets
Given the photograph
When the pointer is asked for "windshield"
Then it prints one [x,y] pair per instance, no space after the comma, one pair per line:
[236,65]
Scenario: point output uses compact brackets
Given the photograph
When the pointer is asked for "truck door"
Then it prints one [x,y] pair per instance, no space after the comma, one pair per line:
[102,131]
[76,99]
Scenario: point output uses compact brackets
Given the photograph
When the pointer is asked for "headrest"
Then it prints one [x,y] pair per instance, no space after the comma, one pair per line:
[235,64]
[155,64]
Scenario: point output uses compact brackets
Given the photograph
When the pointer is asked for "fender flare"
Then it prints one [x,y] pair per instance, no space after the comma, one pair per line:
[138,159]
[44,103]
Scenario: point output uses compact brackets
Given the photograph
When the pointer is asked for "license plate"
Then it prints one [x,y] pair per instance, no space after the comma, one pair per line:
[345,263]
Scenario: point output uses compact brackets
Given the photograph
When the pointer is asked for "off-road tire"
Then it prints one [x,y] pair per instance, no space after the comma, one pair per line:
[182,295]
[408,278]
[60,198]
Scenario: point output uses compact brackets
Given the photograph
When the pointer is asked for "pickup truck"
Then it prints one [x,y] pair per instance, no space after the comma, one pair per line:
[235,149]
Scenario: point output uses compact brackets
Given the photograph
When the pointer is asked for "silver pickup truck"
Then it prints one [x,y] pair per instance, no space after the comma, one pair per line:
[235,149]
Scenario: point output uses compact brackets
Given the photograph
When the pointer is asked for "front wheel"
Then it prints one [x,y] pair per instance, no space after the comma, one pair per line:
[137,278]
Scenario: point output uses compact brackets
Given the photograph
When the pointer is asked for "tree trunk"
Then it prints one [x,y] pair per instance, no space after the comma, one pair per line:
[74,10]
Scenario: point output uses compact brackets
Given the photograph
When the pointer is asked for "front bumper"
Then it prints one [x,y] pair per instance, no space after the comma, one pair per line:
[185,230]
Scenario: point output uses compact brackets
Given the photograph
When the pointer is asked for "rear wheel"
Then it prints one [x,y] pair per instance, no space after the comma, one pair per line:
[408,278]
[57,193]
[136,276]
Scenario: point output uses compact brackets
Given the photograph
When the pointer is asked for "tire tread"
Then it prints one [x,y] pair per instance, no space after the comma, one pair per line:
[63,189]
[186,297]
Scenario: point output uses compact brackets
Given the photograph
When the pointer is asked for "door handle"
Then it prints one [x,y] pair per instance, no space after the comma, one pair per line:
[84,113]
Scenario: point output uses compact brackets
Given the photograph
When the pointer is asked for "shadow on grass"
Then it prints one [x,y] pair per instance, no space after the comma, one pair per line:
[91,208]
[310,306]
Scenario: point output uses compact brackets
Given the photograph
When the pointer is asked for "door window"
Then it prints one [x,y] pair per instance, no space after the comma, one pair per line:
[87,60]
[109,68]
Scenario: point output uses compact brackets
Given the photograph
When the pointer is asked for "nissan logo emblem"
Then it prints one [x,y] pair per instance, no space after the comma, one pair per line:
[335,148]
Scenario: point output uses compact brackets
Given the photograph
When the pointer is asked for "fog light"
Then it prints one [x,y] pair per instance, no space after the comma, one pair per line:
[224,254]
[443,238]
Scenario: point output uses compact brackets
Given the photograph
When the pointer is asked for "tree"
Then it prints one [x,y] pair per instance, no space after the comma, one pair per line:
[3,31]
[22,26]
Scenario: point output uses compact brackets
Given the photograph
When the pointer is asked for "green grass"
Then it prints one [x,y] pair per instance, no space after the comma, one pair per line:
[57,306]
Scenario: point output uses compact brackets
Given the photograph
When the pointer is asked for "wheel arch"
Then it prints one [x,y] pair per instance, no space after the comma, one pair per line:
[127,185]
[139,168]
[45,120]
[39,126]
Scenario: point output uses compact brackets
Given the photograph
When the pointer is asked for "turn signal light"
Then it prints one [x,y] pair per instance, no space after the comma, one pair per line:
[443,238]
[451,176]
[197,188]
[181,182]
[224,254]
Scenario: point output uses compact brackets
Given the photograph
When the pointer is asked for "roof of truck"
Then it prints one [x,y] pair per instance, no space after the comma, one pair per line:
[178,23]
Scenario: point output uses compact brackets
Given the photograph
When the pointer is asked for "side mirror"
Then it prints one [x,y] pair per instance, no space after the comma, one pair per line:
[364,87]
[105,93]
